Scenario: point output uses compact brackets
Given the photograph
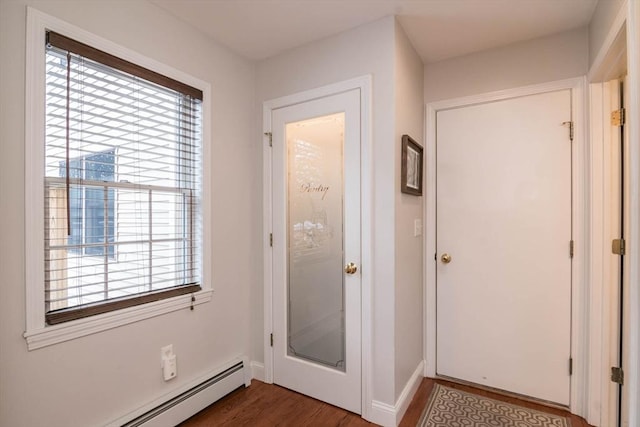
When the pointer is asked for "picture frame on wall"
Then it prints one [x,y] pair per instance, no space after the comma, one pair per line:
[411,168]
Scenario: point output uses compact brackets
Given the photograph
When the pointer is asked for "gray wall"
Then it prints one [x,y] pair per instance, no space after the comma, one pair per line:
[91,380]
[113,372]
[542,60]
[409,256]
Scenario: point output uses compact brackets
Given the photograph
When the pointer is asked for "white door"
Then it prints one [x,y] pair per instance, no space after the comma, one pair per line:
[316,249]
[503,245]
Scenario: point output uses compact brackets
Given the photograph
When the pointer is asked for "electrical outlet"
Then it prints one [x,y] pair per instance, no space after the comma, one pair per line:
[170,368]
[169,363]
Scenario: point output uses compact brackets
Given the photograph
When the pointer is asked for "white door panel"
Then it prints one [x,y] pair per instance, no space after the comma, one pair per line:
[316,214]
[504,217]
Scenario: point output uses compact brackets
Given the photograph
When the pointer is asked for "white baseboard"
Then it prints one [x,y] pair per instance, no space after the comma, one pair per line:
[409,391]
[382,414]
[390,416]
[257,370]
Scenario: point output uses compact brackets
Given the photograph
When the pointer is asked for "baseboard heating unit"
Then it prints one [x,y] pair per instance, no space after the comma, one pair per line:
[188,402]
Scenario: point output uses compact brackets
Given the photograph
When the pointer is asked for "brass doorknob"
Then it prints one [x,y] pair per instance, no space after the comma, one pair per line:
[350,268]
[446,258]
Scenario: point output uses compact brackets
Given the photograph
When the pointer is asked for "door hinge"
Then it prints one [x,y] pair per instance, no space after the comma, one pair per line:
[271,239]
[271,339]
[617,375]
[618,117]
[618,246]
[571,366]
[570,248]
[270,136]
[570,124]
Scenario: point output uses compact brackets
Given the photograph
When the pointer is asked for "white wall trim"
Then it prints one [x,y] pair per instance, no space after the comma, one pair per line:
[602,410]
[632,415]
[581,280]
[628,18]
[429,293]
[267,249]
[597,408]
[37,334]
[382,414]
[364,84]
[49,335]
[580,272]
[391,415]
[257,371]
[404,400]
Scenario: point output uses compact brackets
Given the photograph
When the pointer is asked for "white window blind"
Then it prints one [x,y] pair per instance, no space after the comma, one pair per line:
[122,183]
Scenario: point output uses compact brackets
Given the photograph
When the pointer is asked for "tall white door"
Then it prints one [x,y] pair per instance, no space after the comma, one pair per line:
[316,249]
[503,245]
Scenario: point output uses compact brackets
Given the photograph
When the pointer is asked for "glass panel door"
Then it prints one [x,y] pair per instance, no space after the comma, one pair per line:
[316,223]
[315,251]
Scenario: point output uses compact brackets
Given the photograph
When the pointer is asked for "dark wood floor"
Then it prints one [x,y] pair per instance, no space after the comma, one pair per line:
[271,405]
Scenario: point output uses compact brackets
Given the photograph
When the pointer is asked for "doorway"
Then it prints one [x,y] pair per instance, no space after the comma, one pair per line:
[612,225]
[610,137]
[315,281]
[505,297]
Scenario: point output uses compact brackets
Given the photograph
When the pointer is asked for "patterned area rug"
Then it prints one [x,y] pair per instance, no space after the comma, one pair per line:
[448,407]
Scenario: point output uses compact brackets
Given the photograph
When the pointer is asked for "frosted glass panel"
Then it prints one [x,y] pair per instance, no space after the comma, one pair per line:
[315,240]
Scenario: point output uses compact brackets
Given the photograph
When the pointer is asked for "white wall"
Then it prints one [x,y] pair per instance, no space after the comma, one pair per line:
[601,22]
[94,379]
[368,49]
[409,119]
[536,61]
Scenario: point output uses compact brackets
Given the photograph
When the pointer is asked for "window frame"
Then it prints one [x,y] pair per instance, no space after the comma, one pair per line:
[38,334]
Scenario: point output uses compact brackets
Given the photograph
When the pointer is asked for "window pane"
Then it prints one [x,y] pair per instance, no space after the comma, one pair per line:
[94,219]
[85,279]
[100,167]
[169,265]
[168,215]
[76,207]
[133,214]
[129,274]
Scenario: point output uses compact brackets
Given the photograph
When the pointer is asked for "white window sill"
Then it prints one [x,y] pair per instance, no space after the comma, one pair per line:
[50,335]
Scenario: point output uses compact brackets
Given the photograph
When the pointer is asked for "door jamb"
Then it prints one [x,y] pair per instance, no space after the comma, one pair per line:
[603,298]
[580,228]
[364,85]
[633,260]
[628,18]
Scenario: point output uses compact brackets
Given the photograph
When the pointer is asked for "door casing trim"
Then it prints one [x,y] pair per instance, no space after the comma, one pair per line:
[364,85]
[580,228]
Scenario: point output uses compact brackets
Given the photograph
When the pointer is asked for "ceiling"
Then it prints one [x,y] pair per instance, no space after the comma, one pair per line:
[438,29]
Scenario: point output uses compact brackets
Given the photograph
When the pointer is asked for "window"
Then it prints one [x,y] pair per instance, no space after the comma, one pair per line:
[122,183]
